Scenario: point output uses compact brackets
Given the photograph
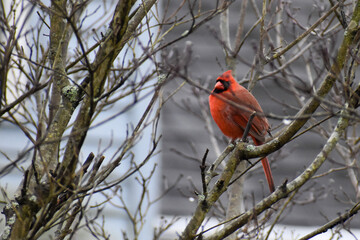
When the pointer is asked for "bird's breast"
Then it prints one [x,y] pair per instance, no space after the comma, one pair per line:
[222,114]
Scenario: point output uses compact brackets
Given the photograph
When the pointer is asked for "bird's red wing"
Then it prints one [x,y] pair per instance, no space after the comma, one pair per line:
[239,113]
[257,130]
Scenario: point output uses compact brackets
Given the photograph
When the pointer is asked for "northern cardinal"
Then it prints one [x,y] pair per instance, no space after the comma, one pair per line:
[231,106]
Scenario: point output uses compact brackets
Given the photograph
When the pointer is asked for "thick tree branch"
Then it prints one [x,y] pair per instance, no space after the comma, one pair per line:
[121,30]
[339,220]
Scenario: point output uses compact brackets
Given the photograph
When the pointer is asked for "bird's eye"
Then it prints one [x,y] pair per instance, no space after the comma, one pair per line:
[226,84]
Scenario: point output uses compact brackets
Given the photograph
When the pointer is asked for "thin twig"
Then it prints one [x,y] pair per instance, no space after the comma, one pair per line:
[304,34]
[203,173]
[248,126]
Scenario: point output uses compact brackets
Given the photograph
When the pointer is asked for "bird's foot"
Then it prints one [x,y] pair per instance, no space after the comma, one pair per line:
[245,140]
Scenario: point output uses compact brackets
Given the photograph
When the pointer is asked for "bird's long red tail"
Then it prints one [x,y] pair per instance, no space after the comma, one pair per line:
[267,169]
[268,174]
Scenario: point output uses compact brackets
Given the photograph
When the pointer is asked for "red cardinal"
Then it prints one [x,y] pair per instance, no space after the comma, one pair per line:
[233,118]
